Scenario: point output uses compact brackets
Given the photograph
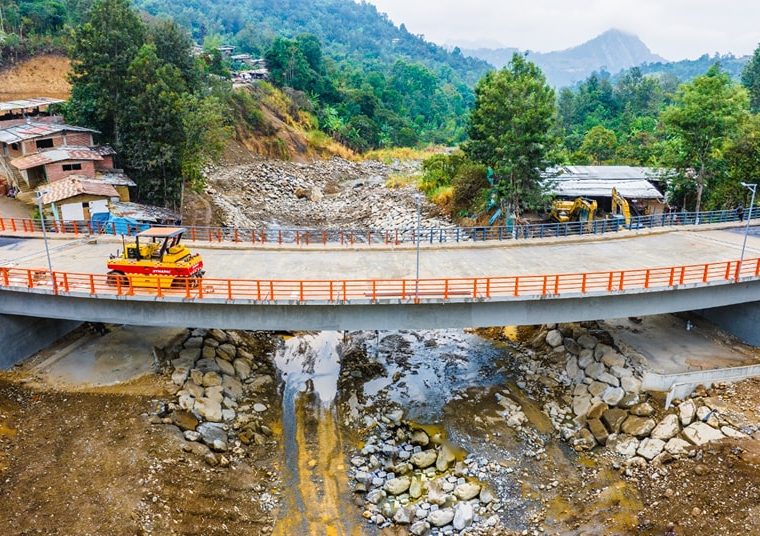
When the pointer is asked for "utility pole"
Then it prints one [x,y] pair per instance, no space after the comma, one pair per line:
[40,207]
[418,199]
[752,188]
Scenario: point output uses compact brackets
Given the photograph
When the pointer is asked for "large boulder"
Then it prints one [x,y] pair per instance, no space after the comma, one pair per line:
[581,405]
[650,448]
[463,516]
[210,410]
[667,428]
[441,518]
[613,395]
[600,432]
[613,359]
[571,346]
[614,418]
[554,338]
[242,369]
[588,342]
[677,446]
[397,486]
[424,459]
[700,433]
[626,446]
[638,426]
[594,370]
[446,457]
[630,384]
[225,366]
[467,491]
[644,409]
[232,387]
[687,410]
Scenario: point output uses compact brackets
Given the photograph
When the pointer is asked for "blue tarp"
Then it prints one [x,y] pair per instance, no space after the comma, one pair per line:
[105,222]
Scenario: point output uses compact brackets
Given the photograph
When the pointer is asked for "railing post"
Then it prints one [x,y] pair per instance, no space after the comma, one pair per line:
[271,291]
[229,289]
[300,291]
[92,285]
[475,286]
[374,291]
[159,290]
[488,288]
[345,292]
[556,285]
[29,279]
[738,274]
[757,268]
[728,271]
[331,290]
[583,283]
[706,273]
[258,290]
[646,279]
[446,289]
[187,288]
[672,277]
[6,277]
[546,283]
[517,286]
[682,279]
[609,282]
[622,280]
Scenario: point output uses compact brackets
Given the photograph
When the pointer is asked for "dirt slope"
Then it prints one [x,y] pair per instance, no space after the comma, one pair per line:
[41,76]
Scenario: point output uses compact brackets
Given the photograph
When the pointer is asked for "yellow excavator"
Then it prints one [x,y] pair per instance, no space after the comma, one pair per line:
[621,209]
[581,209]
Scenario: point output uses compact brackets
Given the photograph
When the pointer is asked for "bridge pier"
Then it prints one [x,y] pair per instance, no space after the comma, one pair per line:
[23,336]
[742,320]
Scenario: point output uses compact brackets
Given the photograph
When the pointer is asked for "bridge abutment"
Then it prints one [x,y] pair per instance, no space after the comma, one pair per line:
[742,320]
[23,336]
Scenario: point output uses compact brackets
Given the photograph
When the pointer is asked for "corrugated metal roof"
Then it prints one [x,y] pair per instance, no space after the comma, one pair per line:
[631,189]
[74,186]
[612,173]
[25,104]
[60,154]
[144,213]
[117,178]
[37,129]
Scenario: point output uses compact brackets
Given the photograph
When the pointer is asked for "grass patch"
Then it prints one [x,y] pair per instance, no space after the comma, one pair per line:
[392,154]
[401,181]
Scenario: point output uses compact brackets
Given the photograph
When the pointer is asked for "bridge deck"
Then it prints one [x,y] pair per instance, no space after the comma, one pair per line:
[668,249]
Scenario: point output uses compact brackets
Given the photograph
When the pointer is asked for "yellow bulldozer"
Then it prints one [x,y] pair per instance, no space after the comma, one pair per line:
[581,209]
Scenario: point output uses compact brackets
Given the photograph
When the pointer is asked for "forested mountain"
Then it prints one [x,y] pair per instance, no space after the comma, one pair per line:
[611,51]
[373,84]
[688,69]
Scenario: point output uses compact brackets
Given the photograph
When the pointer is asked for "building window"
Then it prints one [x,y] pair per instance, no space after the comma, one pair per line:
[44,144]
[14,146]
[72,167]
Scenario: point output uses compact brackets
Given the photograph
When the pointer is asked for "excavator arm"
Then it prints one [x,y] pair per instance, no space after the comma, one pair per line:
[620,206]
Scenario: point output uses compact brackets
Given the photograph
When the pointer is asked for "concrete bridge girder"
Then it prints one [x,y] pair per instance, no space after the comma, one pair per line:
[175,312]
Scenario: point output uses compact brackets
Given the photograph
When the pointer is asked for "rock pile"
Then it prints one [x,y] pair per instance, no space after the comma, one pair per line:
[325,194]
[416,479]
[610,409]
[223,393]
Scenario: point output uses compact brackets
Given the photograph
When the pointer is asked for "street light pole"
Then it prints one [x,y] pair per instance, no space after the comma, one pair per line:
[418,199]
[44,230]
[753,189]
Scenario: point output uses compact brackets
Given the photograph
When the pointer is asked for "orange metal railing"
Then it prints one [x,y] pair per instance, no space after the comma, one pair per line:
[395,290]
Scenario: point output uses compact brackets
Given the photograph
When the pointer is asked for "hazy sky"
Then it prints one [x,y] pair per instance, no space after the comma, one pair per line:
[674,29]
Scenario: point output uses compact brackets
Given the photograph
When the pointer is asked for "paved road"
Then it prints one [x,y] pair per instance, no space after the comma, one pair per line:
[661,250]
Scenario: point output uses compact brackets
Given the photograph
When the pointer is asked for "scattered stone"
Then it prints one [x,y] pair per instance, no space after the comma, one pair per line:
[572,347]
[613,359]
[627,446]
[419,528]
[588,342]
[242,369]
[630,384]
[609,379]
[259,408]
[595,370]
[446,457]
[584,440]
[420,437]
[581,405]
[597,388]
[211,379]
[733,433]
[597,410]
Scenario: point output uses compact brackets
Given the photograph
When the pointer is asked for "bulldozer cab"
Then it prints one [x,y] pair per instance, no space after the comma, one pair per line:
[155,244]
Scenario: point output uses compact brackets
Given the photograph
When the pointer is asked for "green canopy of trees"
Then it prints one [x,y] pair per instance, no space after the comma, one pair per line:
[140,87]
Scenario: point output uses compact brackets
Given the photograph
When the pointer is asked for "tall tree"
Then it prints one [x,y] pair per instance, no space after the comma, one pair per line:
[510,130]
[751,80]
[174,46]
[104,47]
[600,144]
[154,134]
[702,117]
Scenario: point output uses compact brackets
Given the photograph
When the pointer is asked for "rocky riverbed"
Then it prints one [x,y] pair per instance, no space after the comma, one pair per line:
[328,194]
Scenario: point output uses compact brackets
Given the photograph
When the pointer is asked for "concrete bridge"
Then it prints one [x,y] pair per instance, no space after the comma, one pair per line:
[363,287]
